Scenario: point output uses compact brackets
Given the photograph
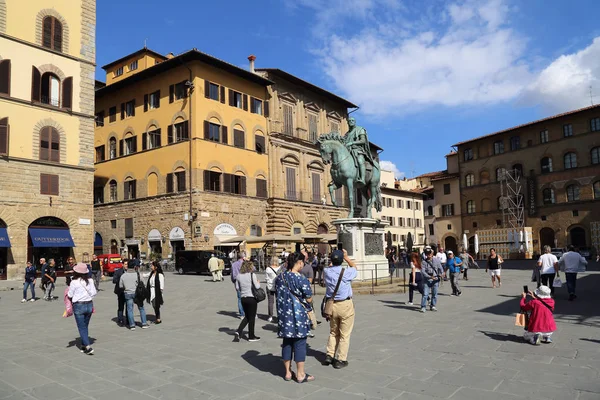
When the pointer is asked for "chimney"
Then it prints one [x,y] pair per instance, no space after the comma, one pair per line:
[251,58]
[170,55]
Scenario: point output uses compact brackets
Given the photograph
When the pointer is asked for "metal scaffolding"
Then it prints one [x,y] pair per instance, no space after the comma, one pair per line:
[512,199]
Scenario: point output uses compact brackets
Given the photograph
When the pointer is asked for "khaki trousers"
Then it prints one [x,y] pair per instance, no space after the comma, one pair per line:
[340,329]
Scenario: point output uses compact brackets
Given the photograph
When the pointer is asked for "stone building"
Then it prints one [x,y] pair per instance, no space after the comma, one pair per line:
[299,200]
[47,63]
[402,209]
[181,155]
[556,163]
[443,223]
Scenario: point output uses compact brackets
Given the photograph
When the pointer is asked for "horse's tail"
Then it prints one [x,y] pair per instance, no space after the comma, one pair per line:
[378,203]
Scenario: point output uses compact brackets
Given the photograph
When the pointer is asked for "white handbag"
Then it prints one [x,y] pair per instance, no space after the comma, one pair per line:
[557,283]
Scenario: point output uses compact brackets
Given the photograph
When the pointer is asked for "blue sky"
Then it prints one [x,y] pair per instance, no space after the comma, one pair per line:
[426,74]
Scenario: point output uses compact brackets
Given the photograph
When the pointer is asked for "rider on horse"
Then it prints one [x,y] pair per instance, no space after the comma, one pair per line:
[357,143]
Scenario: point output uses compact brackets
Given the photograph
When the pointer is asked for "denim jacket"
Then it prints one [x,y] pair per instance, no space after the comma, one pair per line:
[432,268]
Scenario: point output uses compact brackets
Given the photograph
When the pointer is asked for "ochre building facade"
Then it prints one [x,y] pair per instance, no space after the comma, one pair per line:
[181,159]
[47,64]
[557,162]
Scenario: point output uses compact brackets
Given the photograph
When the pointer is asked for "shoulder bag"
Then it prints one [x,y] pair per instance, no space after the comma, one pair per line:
[327,304]
[259,294]
[140,292]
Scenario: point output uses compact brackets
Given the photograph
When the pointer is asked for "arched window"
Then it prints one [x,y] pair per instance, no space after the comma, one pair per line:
[113,190]
[469,180]
[259,143]
[52,33]
[470,207]
[570,160]
[50,89]
[500,174]
[49,144]
[572,193]
[595,153]
[112,148]
[152,184]
[517,170]
[484,177]
[546,164]
[596,188]
[548,196]
[239,137]
[256,230]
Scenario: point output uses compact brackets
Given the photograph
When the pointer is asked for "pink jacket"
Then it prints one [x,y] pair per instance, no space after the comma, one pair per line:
[541,318]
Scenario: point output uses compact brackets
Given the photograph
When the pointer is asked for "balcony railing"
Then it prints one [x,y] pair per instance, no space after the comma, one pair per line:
[53,101]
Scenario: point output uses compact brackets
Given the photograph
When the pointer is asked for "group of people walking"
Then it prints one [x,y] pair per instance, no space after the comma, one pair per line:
[290,289]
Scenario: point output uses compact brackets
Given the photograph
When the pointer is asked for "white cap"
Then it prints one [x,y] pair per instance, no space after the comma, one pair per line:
[450,252]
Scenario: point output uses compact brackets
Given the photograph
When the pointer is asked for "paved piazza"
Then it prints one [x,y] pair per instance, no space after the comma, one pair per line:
[470,349]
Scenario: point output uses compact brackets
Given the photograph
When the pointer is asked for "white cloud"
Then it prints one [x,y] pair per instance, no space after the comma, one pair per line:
[390,166]
[565,83]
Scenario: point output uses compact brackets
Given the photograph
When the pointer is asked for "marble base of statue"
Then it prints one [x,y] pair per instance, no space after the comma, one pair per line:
[364,240]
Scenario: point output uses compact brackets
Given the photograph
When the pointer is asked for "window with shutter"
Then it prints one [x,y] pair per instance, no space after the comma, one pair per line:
[290,180]
[227,183]
[5,77]
[239,139]
[213,132]
[169,134]
[288,121]
[100,153]
[154,100]
[236,99]
[4,136]
[245,101]
[313,132]
[112,190]
[266,109]
[169,183]
[52,33]
[316,187]
[154,138]
[180,131]
[49,144]
[99,118]
[256,106]
[130,108]
[67,93]
[50,89]
[128,227]
[261,188]
[259,144]
[223,94]
[49,184]
[212,181]
[36,84]
[130,145]
[180,90]
[180,178]
[112,114]
[171,93]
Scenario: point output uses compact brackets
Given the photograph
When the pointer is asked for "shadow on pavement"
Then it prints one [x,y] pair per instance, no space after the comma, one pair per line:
[590,340]
[503,337]
[77,342]
[232,314]
[264,362]
[583,310]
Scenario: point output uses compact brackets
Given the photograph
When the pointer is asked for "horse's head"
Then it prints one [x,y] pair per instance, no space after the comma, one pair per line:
[327,144]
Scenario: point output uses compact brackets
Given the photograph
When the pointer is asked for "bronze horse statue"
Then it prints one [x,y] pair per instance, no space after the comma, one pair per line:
[344,172]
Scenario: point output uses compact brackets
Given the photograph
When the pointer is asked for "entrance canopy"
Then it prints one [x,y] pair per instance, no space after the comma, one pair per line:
[4,240]
[51,237]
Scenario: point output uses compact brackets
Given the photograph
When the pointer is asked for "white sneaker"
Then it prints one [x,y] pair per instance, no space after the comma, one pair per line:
[32,300]
[270,319]
[410,303]
[23,301]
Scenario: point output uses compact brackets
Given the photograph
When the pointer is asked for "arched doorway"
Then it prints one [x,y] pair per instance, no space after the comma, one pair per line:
[471,249]
[114,247]
[97,244]
[322,230]
[577,237]
[546,238]
[49,237]
[450,244]
[4,249]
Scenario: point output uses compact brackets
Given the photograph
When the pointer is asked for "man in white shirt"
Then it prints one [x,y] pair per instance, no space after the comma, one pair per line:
[548,265]
[442,257]
[572,262]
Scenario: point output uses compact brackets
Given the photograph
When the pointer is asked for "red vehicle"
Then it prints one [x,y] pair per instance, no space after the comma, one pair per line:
[110,262]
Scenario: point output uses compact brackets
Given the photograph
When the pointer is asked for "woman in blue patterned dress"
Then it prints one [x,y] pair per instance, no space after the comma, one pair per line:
[294,299]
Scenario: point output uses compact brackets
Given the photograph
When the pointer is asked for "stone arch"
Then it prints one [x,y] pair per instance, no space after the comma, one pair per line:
[152,122]
[36,138]
[52,69]
[215,115]
[259,173]
[321,218]
[290,158]
[484,176]
[258,129]
[127,130]
[240,168]
[295,215]
[9,217]
[180,164]
[41,211]
[316,165]
[240,123]
[152,186]
[179,114]
[153,169]
[215,164]
[39,26]
[2,16]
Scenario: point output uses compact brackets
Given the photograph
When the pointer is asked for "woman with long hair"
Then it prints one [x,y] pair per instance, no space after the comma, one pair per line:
[294,300]
[243,284]
[155,286]
[416,280]
[81,292]
[494,265]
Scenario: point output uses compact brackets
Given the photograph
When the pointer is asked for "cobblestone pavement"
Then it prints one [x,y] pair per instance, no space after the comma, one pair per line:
[470,349]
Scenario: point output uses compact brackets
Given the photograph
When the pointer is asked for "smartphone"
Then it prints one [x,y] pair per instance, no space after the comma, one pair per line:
[340,246]
[525,289]
[298,249]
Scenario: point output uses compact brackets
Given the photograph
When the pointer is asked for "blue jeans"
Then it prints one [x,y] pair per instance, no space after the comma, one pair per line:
[83,313]
[430,286]
[297,346]
[571,282]
[240,308]
[29,285]
[129,300]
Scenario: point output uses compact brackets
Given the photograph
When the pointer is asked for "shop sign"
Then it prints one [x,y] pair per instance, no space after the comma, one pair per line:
[177,234]
[154,236]
[225,229]
[85,221]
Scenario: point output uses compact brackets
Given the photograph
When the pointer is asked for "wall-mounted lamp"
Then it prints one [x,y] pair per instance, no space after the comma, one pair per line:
[142,240]
[163,239]
[206,238]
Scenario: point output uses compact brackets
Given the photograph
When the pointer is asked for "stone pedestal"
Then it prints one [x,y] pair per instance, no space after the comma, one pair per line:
[364,240]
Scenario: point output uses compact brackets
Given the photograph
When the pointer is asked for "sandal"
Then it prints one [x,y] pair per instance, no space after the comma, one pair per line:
[307,378]
[293,376]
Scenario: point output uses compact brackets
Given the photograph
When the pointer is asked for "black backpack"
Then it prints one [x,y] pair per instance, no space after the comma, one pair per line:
[141,293]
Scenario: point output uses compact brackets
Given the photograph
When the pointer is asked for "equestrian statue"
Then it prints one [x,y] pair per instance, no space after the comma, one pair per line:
[352,165]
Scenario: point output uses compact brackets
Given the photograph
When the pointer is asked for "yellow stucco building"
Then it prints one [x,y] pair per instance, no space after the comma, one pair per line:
[181,160]
[47,56]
